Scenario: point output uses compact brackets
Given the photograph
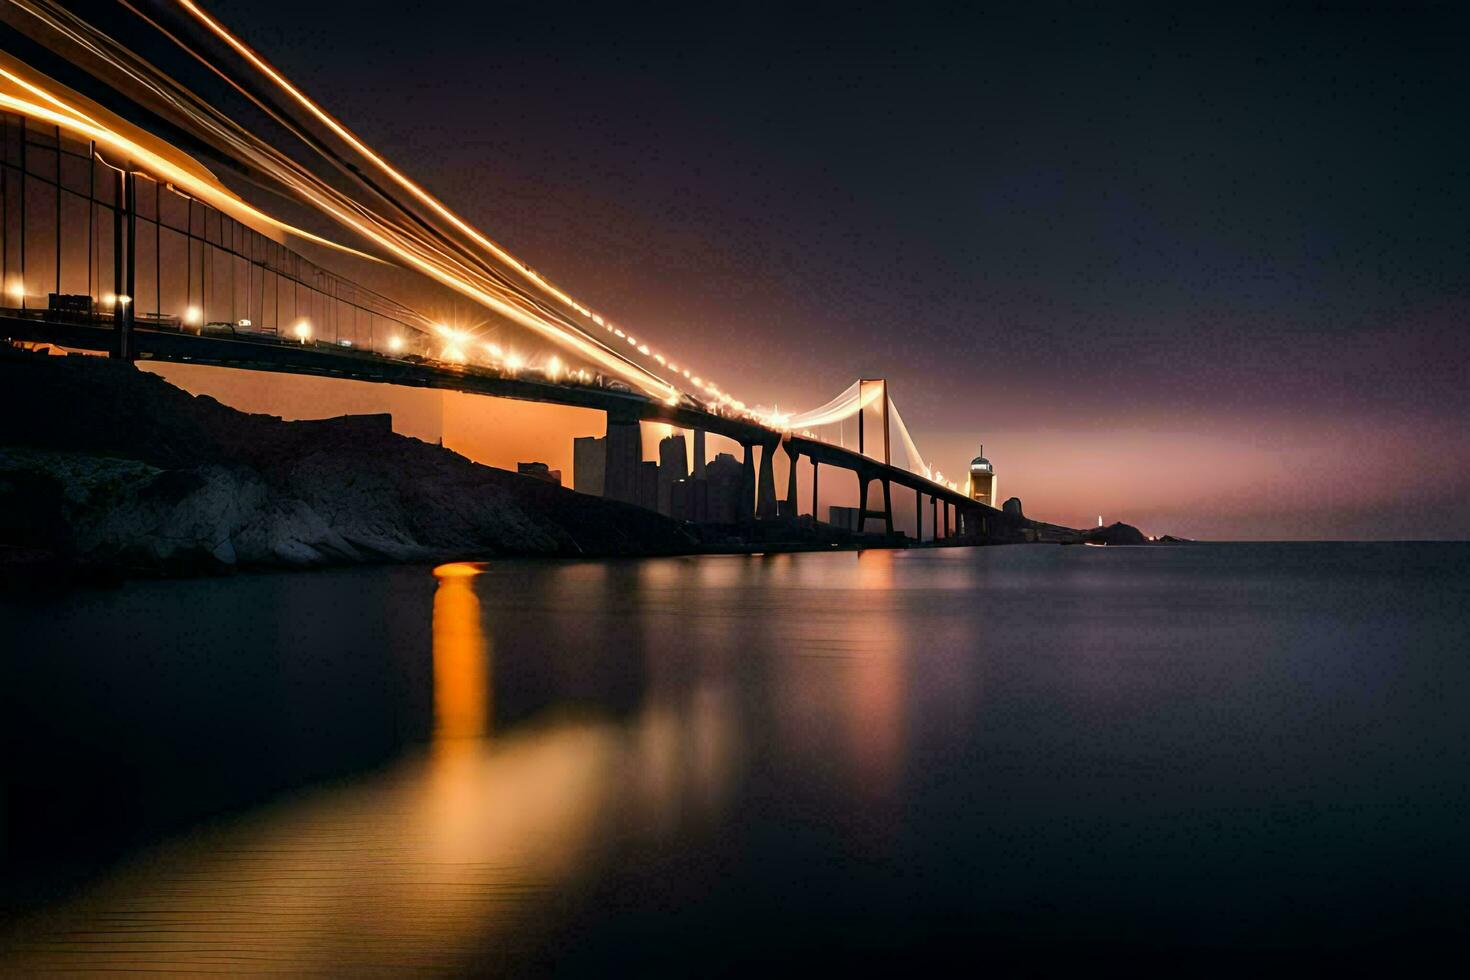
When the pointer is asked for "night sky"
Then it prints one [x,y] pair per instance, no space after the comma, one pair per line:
[1208,273]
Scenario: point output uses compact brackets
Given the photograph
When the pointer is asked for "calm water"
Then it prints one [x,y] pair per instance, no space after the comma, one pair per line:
[1022,757]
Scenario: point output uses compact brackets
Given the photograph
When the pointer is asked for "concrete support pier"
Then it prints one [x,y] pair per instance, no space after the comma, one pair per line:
[746,511]
[792,458]
[766,500]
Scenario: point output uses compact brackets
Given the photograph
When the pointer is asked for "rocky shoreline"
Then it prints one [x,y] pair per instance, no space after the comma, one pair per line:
[108,471]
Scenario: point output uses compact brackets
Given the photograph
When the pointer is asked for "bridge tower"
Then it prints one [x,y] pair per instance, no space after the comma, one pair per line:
[881,393]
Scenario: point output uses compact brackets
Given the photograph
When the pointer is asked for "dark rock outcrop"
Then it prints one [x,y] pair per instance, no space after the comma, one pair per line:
[113,467]
[1114,534]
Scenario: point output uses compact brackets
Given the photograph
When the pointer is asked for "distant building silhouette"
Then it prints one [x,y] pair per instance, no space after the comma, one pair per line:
[620,478]
[673,465]
[589,460]
[646,485]
[710,495]
[540,471]
[689,500]
[724,474]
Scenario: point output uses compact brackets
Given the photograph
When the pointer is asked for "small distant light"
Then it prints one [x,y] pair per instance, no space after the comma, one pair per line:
[395,343]
[16,290]
[514,362]
[124,300]
[643,349]
[242,323]
[302,330]
[193,316]
[345,343]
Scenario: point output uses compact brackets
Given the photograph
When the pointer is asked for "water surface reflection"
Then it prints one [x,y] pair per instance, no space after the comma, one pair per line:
[448,859]
[855,761]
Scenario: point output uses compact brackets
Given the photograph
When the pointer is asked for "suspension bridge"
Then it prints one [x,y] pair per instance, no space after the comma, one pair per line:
[126,231]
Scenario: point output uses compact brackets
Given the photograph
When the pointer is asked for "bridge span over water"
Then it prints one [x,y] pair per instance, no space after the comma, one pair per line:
[132,222]
[950,510]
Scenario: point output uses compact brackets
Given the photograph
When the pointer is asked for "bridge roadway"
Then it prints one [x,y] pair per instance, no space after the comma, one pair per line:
[624,409]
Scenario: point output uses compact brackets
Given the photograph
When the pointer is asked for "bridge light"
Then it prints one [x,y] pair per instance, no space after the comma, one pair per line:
[697,382]
[242,323]
[124,300]
[193,316]
[16,290]
[395,343]
[643,349]
[302,330]
[553,367]
[619,332]
[493,349]
[514,362]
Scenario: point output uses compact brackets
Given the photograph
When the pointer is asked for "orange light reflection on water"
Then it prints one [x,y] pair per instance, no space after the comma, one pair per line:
[449,856]
[462,706]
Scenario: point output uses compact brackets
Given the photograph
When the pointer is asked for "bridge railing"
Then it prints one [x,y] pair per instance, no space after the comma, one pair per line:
[195,268]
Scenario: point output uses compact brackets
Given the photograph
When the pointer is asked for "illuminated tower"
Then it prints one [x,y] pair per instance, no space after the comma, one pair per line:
[982,479]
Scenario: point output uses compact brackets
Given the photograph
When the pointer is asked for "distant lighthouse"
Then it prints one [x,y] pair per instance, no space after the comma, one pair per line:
[982,479]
